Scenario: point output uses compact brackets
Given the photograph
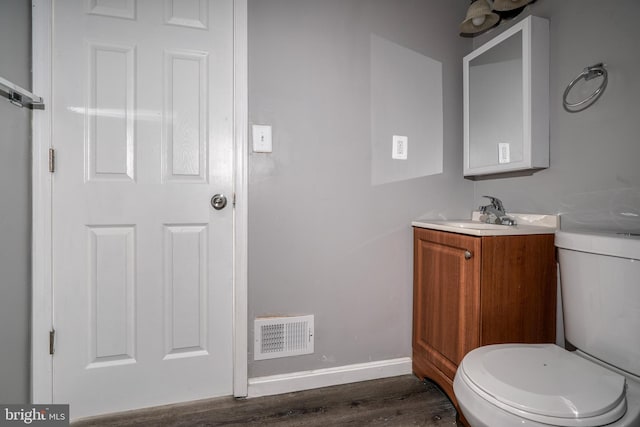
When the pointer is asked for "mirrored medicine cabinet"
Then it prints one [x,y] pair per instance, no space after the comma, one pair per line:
[506,101]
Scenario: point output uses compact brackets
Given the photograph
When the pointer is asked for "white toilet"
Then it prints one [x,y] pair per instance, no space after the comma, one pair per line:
[508,385]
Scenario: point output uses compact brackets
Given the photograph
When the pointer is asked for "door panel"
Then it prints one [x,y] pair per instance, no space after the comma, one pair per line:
[185,150]
[142,264]
[186,281]
[112,334]
[111,125]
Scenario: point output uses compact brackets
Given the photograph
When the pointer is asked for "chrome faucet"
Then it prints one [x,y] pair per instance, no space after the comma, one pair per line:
[494,212]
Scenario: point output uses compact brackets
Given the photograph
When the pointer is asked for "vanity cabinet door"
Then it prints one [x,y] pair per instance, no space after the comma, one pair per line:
[446,299]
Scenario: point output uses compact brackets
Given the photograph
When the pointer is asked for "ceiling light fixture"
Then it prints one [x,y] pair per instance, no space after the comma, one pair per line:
[479,19]
[483,15]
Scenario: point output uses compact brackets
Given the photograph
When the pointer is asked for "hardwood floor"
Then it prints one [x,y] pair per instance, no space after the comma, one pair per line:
[398,401]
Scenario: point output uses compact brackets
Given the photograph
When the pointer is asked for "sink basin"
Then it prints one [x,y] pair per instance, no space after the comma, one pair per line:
[527,224]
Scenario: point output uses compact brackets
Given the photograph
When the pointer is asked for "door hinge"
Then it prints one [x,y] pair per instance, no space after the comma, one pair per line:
[52,160]
[52,339]
[234,200]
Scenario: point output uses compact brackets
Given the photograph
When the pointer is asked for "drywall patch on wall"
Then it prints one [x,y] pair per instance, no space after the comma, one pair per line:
[406,100]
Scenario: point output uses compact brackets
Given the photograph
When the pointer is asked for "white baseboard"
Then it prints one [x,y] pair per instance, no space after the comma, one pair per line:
[307,380]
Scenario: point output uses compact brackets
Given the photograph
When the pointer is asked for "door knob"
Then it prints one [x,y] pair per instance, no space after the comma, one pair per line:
[219,201]
[467,254]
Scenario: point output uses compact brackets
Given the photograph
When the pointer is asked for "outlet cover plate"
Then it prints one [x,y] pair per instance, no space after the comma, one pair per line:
[504,153]
[399,148]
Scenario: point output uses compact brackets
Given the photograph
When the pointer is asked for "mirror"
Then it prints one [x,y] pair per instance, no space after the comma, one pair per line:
[505,106]
[495,95]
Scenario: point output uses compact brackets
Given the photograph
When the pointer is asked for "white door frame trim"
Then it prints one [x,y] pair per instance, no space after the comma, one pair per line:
[41,249]
[241,190]
[41,259]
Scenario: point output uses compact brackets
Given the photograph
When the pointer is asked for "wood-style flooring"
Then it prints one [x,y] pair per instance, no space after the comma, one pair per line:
[398,401]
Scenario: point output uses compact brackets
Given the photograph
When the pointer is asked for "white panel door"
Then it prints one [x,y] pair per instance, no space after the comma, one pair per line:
[142,263]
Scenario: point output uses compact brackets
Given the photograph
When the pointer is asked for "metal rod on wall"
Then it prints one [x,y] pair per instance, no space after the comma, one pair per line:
[19,96]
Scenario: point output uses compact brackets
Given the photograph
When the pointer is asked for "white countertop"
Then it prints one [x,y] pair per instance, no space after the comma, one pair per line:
[527,224]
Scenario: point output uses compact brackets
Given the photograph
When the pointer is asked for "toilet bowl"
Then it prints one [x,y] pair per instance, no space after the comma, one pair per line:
[505,385]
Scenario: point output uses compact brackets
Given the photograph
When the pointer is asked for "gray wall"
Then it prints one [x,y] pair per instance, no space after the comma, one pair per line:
[594,177]
[322,239]
[15,206]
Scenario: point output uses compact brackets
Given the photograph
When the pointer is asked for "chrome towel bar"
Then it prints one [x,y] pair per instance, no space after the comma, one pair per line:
[19,96]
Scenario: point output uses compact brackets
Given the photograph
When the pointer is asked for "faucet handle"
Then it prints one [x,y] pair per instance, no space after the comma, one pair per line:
[496,203]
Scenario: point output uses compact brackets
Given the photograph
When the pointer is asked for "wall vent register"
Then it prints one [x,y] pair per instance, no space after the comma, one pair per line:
[282,336]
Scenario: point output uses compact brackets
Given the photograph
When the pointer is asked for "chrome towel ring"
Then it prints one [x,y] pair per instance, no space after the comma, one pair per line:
[597,70]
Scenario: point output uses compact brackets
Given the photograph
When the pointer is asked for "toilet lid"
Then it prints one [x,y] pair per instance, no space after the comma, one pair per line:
[545,379]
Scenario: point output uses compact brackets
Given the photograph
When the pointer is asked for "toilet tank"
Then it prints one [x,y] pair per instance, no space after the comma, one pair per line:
[600,282]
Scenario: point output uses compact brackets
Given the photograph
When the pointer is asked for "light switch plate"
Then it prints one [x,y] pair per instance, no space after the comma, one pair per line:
[400,146]
[262,139]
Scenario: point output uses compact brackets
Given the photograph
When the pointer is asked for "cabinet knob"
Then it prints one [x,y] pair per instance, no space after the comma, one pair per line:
[467,254]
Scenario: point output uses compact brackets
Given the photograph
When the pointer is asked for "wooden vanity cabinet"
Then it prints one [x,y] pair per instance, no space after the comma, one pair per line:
[471,291]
